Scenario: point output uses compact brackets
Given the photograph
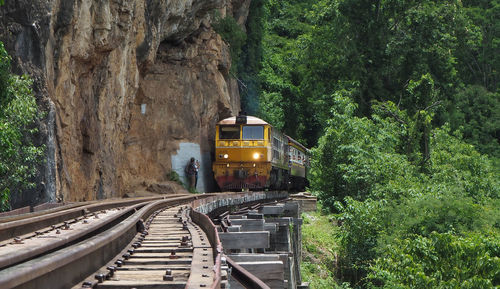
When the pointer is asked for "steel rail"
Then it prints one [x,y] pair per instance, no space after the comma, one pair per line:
[245,278]
[16,228]
[63,268]
[239,273]
[70,265]
[171,252]
[6,217]
[31,215]
[210,230]
[61,241]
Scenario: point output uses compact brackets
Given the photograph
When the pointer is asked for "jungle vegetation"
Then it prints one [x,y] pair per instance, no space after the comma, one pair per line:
[399,102]
[19,156]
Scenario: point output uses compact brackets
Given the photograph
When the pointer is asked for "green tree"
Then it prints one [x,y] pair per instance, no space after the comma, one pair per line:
[366,168]
[376,49]
[383,45]
[250,61]
[281,100]
[361,227]
[231,33]
[477,116]
[374,84]
[478,58]
[356,154]
[439,261]
[461,168]
[18,113]
[475,107]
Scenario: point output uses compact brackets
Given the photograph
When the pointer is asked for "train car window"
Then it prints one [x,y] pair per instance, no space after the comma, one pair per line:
[276,155]
[253,132]
[229,132]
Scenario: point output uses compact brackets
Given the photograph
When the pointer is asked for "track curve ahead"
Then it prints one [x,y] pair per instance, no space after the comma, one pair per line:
[156,243]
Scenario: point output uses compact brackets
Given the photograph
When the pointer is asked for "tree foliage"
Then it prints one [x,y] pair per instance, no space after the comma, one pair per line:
[478,118]
[281,99]
[18,113]
[250,61]
[381,51]
[399,100]
[479,60]
[441,260]
[231,33]
[363,168]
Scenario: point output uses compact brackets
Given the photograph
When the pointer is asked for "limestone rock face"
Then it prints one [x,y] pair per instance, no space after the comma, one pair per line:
[128,81]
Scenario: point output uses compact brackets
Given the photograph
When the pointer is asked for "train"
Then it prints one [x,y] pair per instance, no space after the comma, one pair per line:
[250,154]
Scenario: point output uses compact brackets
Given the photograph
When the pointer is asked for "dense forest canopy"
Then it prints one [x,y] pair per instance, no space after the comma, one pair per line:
[377,50]
[399,101]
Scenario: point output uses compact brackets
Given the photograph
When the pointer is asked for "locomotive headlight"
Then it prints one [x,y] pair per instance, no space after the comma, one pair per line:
[256,156]
[226,156]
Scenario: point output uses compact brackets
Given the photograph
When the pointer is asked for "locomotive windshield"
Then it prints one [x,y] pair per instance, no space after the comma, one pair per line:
[229,132]
[253,132]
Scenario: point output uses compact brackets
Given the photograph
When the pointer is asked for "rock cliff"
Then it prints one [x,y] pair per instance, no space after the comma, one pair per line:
[125,83]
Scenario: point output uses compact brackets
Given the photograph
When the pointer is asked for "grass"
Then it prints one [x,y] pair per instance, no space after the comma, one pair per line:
[193,191]
[319,250]
[174,177]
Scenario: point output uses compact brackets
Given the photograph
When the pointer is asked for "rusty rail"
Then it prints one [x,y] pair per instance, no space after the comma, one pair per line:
[72,264]
[29,214]
[46,206]
[57,243]
[244,277]
[208,226]
[16,228]
[239,273]
[65,266]
[16,212]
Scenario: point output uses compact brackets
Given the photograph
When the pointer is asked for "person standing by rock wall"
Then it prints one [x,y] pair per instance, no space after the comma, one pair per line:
[197,166]
[191,173]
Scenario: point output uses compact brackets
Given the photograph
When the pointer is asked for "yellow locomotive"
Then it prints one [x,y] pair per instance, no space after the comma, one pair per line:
[251,154]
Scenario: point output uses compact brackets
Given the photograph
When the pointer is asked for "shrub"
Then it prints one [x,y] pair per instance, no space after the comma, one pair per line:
[438,261]
[356,156]
[362,223]
[375,173]
[18,113]
[442,214]
[174,177]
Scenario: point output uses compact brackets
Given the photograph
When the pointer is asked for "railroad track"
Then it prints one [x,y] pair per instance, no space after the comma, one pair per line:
[171,252]
[24,225]
[154,243]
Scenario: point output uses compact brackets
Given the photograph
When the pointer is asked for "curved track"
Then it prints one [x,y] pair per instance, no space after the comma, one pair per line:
[152,243]
[26,224]
[172,252]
